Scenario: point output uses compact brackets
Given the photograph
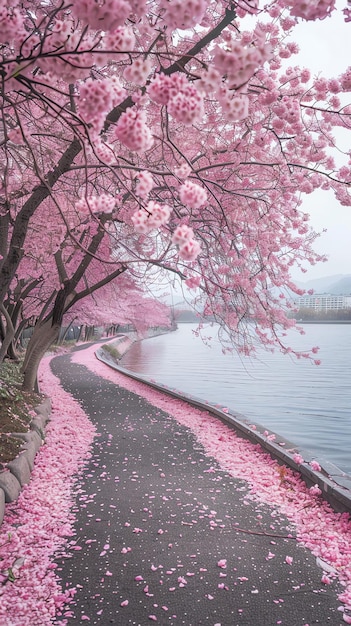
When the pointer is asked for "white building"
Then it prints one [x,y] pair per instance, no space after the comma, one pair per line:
[323,302]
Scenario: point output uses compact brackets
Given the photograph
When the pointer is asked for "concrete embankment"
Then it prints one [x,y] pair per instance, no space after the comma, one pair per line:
[17,472]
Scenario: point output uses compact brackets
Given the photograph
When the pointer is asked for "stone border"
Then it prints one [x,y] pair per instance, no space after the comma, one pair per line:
[333,482]
[17,472]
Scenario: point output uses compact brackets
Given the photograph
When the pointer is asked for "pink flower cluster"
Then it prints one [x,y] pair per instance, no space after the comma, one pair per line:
[162,87]
[210,80]
[315,466]
[288,112]
[154,216]
[106,15]
[144,184]
[315,490]
[193,282]
[234,107]
[138,71]
[182,171]
[298,458]
[184,102]
[11,23]
[183,13]
[66,53]
[103,151]
[247,7]
[15,135]
[312,9]
[189,248]
[95,101]
[192,195]
[97,98]
[182,234]
[239,62]
[187,106]
[345,80]
[132,130]
[120,40]
[96,204]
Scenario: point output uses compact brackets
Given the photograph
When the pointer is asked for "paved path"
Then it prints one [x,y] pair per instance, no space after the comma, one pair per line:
[153,522]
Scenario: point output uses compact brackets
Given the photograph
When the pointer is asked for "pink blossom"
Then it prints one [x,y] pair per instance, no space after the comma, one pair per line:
[312,10]
[190,250]
[315,490]
[192,195]
[186,106]
[182,171]
[132,130]
[315,466]
[298,459]
[180,14]
[239,62]
[119,40]
[193,282]
[95,101]
[182,234]
[153,216]
[102,16]
[162,88]
[138,71]
[96,204]
[145,183]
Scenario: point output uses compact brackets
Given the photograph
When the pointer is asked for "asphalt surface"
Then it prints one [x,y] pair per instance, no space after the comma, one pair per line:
[157,529]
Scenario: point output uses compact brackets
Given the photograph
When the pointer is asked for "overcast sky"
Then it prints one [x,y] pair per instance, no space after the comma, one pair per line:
[325,47]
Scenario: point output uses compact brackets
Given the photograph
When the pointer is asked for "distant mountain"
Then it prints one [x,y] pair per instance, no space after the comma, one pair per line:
[342,286]
[337,284]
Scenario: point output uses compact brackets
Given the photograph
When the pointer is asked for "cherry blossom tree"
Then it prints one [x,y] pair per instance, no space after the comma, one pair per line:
[140,135]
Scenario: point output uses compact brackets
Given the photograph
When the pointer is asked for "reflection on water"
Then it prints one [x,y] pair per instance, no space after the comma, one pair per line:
[309,405]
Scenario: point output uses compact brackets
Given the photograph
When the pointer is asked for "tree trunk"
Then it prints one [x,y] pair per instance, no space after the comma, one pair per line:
[9,334]
[65,332]
[12,352]
[43,337]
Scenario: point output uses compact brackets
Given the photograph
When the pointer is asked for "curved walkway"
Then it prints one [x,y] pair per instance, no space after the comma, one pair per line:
[164,536]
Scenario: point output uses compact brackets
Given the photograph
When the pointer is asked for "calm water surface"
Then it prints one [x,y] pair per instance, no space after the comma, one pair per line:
[309,405]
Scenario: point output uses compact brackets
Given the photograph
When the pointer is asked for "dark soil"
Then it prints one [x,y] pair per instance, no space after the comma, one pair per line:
[15,407]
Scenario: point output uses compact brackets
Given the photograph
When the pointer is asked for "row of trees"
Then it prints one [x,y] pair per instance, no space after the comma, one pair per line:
[307,314]
[145,137]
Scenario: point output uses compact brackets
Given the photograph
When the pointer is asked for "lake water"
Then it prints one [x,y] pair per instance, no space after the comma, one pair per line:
[309,405]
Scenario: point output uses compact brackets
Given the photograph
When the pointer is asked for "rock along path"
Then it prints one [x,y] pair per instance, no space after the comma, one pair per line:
[157,529]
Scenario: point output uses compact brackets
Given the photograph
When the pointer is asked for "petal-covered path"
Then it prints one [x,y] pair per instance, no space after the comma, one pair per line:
[164,534]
